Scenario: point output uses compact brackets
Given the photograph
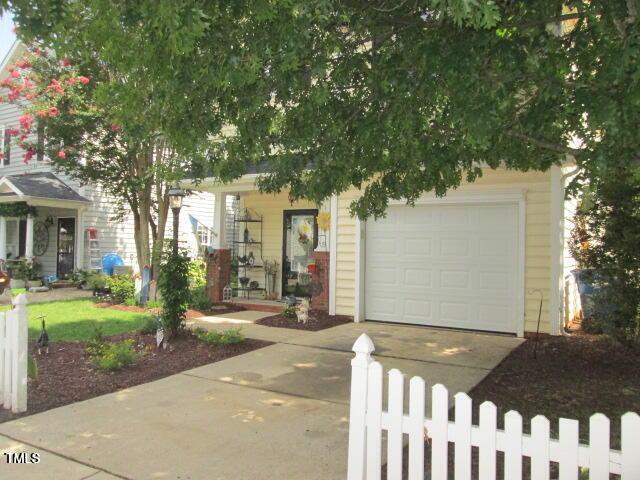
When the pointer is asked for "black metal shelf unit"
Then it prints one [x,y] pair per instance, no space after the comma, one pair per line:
[242,244]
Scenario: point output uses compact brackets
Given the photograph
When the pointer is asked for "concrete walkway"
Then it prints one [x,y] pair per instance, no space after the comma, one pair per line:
[53,295]
[277,412]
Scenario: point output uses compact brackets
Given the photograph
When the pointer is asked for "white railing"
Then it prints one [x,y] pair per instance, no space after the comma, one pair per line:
[13,356]
[368,421]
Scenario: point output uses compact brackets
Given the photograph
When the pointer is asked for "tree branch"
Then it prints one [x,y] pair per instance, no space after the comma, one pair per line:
[543,143]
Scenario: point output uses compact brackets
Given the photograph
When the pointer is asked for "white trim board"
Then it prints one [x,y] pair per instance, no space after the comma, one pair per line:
[475,196]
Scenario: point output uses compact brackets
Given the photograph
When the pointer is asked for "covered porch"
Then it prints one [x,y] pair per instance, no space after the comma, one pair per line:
[275,248]
[42,221]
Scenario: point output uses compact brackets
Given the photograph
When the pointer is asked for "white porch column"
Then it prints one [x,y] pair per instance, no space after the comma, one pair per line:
[3,238]
[219,219]
[79,260]
[28,248]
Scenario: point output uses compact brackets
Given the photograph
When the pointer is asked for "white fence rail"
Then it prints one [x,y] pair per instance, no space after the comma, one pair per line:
[13,356]
[368,420]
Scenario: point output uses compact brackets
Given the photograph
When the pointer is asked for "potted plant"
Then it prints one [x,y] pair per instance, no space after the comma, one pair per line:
[32,270]
[311,266]
[244,281]
[19,274]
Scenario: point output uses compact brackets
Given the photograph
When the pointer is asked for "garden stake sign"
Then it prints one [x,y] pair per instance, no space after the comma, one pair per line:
[535,345]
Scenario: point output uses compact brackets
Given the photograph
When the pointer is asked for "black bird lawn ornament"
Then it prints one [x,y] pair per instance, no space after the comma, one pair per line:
[43,338]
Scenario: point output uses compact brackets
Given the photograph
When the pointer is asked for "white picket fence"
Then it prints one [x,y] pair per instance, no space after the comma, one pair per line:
[368,420]
[13,356]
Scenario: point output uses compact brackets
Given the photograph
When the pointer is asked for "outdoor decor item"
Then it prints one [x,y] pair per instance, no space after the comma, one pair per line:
[253,284]
[227,292]
[324,223]
[244,281]
[304,233]
[43,338]
[40,238]
[302,310]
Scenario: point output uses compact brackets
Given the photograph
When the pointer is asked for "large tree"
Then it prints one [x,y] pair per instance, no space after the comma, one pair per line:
[68,115]
[400,97]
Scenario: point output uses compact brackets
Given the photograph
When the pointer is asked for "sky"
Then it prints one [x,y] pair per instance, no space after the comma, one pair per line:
[6,34]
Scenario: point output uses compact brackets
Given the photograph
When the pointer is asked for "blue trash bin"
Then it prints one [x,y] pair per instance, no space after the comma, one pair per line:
[109,261]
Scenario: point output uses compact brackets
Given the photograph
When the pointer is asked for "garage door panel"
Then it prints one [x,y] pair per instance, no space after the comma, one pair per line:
[417,277]
[457,268]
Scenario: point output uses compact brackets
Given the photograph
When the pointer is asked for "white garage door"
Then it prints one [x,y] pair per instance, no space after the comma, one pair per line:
[444,265]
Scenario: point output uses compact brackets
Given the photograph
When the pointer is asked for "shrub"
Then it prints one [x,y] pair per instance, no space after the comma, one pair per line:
[289,312]
[226,337]
[150,326]
[96,281]
[123,288]
[605,241]
[114,356]
[96,342]
[199,299]
[173,283]
[154,304]
[32,367]
[197,273]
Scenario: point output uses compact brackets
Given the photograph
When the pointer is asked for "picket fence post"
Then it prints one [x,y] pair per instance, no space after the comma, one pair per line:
[3,346]
[14,356]
[20,354]
[363,347]
[8,358]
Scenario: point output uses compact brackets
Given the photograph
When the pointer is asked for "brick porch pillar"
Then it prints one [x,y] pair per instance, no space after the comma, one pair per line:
[320,300]
[218,273]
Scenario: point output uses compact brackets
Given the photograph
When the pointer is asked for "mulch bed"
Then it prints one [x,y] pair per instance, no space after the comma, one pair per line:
[218,309]
[66,375]
[318,320]
[572,377]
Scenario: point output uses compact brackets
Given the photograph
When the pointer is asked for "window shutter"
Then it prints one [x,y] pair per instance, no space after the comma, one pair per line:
[7,147]
[40,150]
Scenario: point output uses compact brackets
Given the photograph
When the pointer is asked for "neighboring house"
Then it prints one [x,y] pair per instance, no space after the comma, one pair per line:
[58,236]
[480,258]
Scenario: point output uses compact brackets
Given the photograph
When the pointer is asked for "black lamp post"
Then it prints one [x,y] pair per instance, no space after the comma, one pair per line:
[175,194]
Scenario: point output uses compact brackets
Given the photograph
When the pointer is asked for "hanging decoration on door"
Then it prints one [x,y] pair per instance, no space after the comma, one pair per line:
[40,239]
[304,232]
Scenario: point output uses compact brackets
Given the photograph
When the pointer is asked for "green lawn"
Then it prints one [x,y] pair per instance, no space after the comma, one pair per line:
[77,319]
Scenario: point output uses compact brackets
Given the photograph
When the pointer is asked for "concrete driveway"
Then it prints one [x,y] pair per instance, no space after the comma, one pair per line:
[277,412]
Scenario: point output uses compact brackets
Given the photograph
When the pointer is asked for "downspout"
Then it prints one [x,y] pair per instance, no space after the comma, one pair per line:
[563,182]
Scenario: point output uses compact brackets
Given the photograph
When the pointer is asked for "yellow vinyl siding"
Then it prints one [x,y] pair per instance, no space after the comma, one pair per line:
[271,207]
[537,189]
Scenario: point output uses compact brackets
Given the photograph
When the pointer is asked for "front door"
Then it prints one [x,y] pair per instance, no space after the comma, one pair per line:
[300,239]
[66,246]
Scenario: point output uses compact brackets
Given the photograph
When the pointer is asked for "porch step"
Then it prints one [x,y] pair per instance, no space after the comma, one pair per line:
[261,305]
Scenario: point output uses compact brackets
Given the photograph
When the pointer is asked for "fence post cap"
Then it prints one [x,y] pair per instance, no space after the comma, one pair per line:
[20,299]
[363,344]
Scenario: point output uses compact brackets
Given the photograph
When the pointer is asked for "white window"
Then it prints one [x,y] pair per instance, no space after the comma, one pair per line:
[203,234]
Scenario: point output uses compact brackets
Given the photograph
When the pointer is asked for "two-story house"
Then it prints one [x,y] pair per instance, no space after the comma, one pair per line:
[58,237]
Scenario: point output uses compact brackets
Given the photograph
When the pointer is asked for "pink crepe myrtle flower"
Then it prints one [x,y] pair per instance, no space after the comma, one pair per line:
[53,112]
[83,80]
[28,155]
[26,121]
[71,81]
[61,154]
[15,74]
[55,87]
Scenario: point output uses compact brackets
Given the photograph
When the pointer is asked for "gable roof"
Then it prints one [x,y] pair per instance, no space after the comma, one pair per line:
[44,185]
